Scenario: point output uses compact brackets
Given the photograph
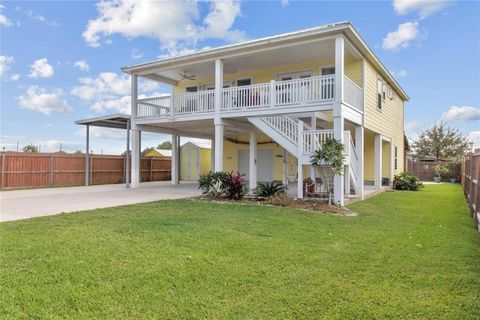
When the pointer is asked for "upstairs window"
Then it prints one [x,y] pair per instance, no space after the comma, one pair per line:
[379,93]
[328,71]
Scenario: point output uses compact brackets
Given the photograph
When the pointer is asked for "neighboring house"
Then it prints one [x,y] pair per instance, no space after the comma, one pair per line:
[269,101]
[155,153]
[164,152]
[195,159]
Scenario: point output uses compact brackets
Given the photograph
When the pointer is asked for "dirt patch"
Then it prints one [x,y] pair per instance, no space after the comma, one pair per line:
[283,201]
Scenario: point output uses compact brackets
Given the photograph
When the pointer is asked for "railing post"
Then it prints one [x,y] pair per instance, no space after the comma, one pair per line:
[171,105]
[272,93]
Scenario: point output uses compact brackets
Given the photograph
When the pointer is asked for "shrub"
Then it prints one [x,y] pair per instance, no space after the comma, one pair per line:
[282,200]
[270,189]
[441,170]
[407,181]
[234,187]
[212,183]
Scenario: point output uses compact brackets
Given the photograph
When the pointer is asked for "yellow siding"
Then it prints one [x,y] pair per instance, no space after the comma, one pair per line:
[388,121]
[369,156]
[385,159]
[352,70]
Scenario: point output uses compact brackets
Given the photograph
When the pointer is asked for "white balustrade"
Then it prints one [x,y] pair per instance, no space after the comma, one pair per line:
[305,91]
[352,93]
[285,125]
[246,97]
[314,139]
[194,102]
[153,107]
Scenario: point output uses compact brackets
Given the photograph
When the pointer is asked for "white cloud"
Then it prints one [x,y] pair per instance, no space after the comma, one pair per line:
[136,54]
[461,114]
[15,77]
[41,18]
[412,127]
[82,65]
[108,85]
[424,8]
[41,69]
[285,3]
[399,73]
[474,137]
[5,63]
[173,23]
[402,37]
[4,21]
[120,104]
[50,145]
[39,99]
[100,132]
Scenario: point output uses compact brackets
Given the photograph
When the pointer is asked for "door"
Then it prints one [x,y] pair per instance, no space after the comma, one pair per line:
[190,101]
[244,97]
[293,92]
[192,161]
[264,164]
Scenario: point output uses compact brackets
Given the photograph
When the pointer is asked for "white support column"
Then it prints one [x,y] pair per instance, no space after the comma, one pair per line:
[175,160]
[299,161]
[218,122]
[219,145]
[135,170]
[313,125]
[87,156]
[359,146]
[346,179]
[252,162]
[284,168]
[127,158]
[338,133]
[212,156]
[378,161]
[339,68]
[135,158]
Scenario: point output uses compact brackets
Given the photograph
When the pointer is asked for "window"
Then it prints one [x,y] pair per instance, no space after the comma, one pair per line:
[328,71]
[379,93]
[244,82]
[191,89]
[396,158]
[384,90]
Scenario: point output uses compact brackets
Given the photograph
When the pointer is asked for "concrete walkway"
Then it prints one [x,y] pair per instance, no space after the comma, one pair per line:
[23,204]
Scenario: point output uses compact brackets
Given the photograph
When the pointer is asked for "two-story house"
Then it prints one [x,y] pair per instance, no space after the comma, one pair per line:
[268,103]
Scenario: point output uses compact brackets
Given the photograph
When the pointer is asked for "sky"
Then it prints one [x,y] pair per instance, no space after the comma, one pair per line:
[60,61]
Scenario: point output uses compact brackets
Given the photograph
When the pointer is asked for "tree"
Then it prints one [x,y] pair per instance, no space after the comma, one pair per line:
[78,152]
[330,160]
[30,148]
[166,145]
[441,142]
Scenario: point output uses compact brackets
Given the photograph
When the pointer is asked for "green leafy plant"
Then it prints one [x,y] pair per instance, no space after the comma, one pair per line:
[441,170]
[212,183]
[407,181]
[330,160]
[270,189]
[235,186]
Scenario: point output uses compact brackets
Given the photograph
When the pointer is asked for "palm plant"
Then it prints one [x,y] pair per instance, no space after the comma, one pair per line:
[270,189]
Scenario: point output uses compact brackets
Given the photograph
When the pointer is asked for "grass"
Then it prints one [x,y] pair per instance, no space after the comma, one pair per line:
[412,255]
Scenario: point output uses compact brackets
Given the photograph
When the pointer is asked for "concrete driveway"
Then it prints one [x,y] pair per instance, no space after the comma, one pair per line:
[23,204]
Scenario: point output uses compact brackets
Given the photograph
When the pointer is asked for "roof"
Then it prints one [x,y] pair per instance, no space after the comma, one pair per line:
[164,152]
[201,145]
[117,120]
[345,28]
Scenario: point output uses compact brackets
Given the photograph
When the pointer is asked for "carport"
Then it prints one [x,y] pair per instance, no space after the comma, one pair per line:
[114,121]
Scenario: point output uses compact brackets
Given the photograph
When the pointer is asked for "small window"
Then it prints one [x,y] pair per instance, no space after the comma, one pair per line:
[396,158]
[384,90]
[328,71]
[191,89]
[244,82]
[379,93]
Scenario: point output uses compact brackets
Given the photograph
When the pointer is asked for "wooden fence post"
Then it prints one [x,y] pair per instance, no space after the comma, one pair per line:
[51,170]
[151,169]
[3,170]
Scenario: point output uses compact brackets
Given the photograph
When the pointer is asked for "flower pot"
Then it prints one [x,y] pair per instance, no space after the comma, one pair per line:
[437,179]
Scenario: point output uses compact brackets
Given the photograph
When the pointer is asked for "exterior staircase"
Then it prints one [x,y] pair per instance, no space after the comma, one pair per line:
[301,141]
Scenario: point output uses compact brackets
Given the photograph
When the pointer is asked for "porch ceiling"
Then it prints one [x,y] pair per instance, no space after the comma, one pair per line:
[322,50]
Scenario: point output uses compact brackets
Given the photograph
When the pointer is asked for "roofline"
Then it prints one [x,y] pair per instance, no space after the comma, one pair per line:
[100,118]
[344,27]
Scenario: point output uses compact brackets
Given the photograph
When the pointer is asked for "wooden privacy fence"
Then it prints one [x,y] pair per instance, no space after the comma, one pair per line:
[471,186]
[424,170]
[27,170]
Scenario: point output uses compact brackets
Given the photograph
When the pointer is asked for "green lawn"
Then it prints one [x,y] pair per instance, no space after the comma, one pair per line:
[407,255]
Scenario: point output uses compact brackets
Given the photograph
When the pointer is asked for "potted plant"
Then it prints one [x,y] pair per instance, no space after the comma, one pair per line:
[440,171]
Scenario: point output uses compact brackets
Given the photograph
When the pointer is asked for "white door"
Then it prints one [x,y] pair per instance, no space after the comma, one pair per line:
[264,164]
[193,165]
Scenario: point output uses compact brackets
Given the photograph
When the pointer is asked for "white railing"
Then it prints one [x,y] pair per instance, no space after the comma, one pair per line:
[246,97]
[285,125]
[194,102]
[352,157]
[305,91]
[297,92]
[314,139]
[153,107]
[352,93]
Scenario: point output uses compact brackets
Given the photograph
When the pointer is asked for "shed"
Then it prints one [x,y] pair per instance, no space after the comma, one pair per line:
[195,159]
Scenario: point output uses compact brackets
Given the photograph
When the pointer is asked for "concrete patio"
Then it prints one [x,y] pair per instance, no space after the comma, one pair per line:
[24,204]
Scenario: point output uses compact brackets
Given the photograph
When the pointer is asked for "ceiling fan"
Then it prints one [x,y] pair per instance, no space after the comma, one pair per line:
[185,75]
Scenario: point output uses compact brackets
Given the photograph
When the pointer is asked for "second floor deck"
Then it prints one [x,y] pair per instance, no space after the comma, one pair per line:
[288,95]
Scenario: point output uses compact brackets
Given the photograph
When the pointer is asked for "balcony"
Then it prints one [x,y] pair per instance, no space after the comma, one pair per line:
[263,96]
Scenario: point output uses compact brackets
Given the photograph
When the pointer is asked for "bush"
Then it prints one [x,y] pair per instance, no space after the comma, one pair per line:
[234,186]
[212,183]
[441,170]
[406,181]
[282,200]
[270,189]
